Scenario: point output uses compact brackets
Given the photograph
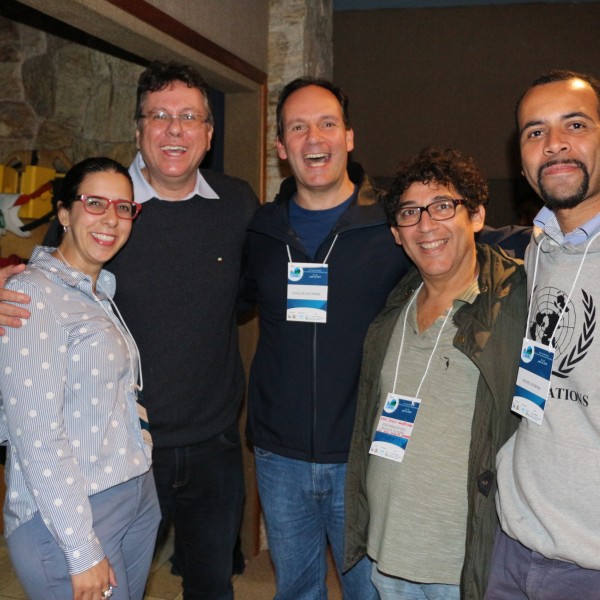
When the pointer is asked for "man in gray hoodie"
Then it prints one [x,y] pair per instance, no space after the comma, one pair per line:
[549,471]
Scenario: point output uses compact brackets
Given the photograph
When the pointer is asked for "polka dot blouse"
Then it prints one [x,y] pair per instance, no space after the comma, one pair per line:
[69,405]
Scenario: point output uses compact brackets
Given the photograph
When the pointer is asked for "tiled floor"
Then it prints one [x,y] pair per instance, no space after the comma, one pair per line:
[256,583]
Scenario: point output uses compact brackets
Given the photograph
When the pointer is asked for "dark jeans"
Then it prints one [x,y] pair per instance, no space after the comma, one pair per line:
[201,490]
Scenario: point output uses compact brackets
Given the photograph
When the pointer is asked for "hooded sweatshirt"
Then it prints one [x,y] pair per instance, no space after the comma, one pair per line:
[549,474]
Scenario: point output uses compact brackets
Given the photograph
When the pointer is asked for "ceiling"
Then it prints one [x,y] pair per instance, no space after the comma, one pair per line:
[376,4]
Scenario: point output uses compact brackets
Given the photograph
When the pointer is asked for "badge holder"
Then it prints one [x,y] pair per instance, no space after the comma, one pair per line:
[307,292]
[533,381]
[395,427]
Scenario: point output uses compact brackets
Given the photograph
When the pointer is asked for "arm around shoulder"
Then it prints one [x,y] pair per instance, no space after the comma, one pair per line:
[11,314]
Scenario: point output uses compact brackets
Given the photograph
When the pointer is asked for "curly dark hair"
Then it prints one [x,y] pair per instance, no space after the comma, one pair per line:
[444,167]
[158,75]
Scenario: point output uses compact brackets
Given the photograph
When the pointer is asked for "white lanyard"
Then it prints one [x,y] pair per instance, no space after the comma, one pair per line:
[402,342]
[134,384]
[326,257]
[397,420]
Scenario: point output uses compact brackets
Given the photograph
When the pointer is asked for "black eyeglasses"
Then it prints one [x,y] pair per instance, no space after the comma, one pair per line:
[440,210]
[98,205]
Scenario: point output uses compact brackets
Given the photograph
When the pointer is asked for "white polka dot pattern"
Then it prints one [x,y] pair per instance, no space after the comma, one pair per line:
[70,418]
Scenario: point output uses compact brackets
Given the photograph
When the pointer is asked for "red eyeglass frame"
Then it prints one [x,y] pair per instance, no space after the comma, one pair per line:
[85,197]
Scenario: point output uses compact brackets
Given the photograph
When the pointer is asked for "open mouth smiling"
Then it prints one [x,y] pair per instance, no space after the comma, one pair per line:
[432,245]
[316,159]
[173,149]
[104,238]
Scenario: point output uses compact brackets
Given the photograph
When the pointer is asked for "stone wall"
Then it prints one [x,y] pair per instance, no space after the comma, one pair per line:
[300,43]
[61,96]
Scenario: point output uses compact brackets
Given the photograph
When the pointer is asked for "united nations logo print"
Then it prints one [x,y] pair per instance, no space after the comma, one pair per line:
[548,327]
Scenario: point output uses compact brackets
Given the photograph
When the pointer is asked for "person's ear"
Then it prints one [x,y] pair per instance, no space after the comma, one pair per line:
[63,215]
[209,136]
[478,218]
[280,149]
[349,139]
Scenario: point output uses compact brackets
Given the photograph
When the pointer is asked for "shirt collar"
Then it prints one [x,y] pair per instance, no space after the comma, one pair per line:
[470,294]
[143,191]
[546,219]
[105,285]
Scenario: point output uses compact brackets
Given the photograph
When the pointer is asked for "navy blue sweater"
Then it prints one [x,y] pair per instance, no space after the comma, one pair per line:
[177,282]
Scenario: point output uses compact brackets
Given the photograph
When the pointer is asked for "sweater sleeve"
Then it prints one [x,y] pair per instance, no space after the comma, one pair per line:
[34,365]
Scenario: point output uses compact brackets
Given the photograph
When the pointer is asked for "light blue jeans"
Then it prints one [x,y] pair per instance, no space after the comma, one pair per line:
[126,519]
[303,505]
[395,588]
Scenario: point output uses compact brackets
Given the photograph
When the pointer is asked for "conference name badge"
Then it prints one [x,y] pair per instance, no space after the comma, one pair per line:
[395,427]
[533,381]
[307,292]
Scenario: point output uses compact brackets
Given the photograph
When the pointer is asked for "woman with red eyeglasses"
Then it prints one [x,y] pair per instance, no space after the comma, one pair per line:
[81,511]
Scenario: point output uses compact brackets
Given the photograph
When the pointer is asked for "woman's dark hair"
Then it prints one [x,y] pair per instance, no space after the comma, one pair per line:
[442,167]
[69,188]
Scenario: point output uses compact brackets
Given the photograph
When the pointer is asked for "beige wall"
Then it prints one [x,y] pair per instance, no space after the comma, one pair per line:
[451,77]
[239,26]
[152,33]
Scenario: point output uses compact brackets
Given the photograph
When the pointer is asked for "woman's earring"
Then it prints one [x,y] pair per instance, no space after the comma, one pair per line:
[65,228]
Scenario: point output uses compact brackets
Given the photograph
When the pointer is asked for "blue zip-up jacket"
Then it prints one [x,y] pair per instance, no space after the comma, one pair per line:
[304,376]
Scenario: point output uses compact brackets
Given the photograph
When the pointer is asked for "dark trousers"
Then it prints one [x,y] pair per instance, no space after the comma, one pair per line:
[517,573]
[201,491]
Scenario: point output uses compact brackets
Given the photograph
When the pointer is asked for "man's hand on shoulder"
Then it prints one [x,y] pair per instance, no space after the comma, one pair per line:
[11,315]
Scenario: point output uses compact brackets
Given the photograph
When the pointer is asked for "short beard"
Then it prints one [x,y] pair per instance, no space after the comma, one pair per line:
[558,202]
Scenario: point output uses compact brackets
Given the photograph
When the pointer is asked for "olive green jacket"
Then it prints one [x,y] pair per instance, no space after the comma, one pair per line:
[490,332]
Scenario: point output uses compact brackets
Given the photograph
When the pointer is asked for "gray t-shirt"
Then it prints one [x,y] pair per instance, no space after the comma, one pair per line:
[418,507]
